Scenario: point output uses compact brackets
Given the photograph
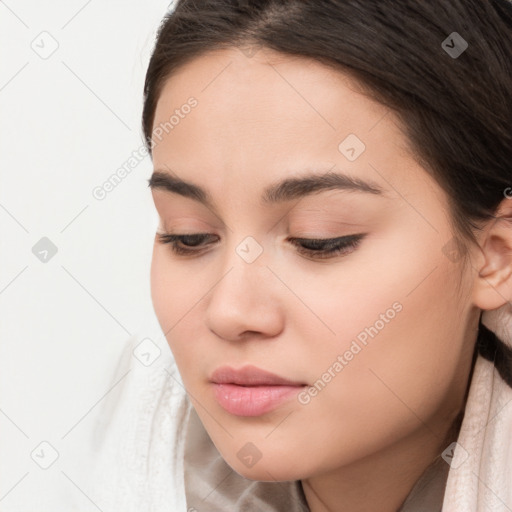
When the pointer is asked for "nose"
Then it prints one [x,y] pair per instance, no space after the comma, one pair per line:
[244,301]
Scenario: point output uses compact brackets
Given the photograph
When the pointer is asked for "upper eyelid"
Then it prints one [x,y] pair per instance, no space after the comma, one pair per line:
[329,247]
[204,233]
[208,237]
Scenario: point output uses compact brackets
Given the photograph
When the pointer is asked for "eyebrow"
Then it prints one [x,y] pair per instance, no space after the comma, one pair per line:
[284,190]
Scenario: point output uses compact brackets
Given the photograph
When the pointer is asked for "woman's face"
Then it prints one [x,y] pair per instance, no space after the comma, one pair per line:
[379,334]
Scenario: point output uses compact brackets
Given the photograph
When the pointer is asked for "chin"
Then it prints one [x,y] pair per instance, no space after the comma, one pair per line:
[267,469]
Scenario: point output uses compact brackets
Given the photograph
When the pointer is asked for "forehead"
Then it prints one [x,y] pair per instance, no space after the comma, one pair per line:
[265,88]
[256,116]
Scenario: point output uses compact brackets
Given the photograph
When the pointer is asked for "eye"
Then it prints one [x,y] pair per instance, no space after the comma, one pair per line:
[327,247]
[181,244]
[315,248]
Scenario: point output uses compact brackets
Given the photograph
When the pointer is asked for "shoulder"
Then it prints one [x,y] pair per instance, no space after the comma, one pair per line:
[136,440]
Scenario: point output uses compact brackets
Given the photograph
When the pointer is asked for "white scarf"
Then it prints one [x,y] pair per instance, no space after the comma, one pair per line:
[140,447]
[483,481]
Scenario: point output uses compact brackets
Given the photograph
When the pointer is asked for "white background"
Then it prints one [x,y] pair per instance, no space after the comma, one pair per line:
[68,122]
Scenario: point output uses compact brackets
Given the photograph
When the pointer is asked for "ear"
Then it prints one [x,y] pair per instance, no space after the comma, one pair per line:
[493,283]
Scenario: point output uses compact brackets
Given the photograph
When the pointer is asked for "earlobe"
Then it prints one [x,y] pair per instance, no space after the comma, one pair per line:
[493,282]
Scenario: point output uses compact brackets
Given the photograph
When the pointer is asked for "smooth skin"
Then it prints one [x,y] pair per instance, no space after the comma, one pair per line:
[363,440]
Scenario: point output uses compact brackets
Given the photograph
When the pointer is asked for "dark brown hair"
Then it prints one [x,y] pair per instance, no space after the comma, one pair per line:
[456,111]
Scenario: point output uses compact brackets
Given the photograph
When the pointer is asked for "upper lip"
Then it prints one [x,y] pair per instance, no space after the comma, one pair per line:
[249,376]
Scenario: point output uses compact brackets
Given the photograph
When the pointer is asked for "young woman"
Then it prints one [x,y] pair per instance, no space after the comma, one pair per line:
[332,270]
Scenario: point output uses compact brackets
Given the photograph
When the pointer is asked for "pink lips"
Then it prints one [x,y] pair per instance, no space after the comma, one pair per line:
[251,391]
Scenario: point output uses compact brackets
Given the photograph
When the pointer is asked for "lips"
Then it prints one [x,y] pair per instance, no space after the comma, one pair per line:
[250,376]
[251,391]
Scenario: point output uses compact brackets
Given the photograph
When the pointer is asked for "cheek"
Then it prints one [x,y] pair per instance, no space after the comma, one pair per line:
[161,292]
[403,359]
[176,293]
[398,332]
[173,286]
[168,293]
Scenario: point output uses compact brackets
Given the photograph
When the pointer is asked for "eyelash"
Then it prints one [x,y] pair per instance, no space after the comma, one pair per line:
[318,248]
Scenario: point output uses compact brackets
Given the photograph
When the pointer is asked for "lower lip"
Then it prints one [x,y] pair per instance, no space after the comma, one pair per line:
[252,401]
